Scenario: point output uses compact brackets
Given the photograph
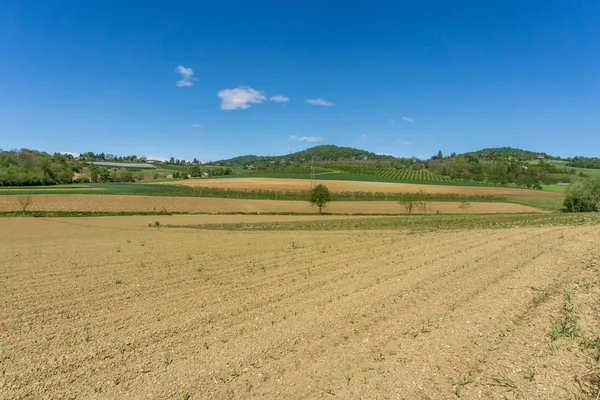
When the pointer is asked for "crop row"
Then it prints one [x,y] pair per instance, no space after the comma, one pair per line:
[393,173]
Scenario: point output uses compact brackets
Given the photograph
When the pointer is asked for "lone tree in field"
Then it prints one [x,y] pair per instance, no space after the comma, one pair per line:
[319,196]
[24,202]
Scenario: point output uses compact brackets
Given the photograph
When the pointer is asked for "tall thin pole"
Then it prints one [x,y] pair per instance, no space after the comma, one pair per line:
[313,175]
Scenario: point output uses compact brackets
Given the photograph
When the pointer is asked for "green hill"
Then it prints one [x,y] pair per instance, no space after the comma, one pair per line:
[505,152]
[319,153]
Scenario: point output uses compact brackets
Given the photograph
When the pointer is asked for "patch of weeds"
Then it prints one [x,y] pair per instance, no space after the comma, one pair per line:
[200,269]
[292,349]
[531,374]
[263,267]
[462,382]
[97,389]
[118,281]
[156,223]
[186,395]
[118,249]
[117,380]
[504,380]
[329,390]
[86,336]
[189,257]
[568,324]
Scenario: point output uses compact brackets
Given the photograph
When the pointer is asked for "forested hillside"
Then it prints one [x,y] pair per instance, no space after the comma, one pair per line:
[29,168]
[319,153]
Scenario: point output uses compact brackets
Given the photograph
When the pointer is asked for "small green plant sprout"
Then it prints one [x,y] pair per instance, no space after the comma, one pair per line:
[24,202]
[504,380]
[189,257]
[156,223]
[186,395]
[117,380]
[329,390]
[348,378]
[462,382]
[118,281]
[531,374]
[86,336]
[540,297]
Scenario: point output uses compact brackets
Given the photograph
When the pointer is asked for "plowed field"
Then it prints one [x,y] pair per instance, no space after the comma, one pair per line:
[355,186]
[116,203]
[111,310]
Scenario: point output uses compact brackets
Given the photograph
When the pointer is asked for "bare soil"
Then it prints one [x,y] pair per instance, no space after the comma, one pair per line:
[116,203]
[356,186]
[104,308]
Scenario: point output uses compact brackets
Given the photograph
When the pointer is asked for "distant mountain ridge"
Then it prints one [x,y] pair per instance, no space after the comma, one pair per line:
[319,153]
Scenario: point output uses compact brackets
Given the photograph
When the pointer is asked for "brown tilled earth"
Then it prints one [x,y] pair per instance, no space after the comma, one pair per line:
[107,308]
[355,186]
[117,203]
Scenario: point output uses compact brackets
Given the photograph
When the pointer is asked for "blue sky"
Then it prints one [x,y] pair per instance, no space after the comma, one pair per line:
[215,79]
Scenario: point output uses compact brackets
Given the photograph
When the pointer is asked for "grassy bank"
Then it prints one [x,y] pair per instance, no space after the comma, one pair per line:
[417,222]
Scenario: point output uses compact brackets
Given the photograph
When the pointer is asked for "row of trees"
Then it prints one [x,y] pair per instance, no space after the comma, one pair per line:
[585,162]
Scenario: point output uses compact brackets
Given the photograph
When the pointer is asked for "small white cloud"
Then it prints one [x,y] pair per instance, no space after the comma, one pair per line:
[408,119]
[279,99]
[311,139]
[240,97]
[392,121]
[404,142]
[319,102]
[364,135]
[187,76]
[196,126]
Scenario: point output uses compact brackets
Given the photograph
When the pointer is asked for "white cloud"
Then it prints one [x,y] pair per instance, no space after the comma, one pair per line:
[364,135]
[196,126]
[187,76]
[404,142]
[311,139]
[408,119]
[319,102]
[70,153]
[279,99]
[240,97]
[392,121]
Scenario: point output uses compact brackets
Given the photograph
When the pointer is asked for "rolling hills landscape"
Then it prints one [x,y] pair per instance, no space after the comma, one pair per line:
[303,200]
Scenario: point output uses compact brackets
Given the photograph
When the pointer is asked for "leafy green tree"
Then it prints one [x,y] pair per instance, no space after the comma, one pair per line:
[319,196]
[583,196]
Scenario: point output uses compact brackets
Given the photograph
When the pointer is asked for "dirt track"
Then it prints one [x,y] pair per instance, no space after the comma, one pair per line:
[116,311]
[90,202]
[355,186]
